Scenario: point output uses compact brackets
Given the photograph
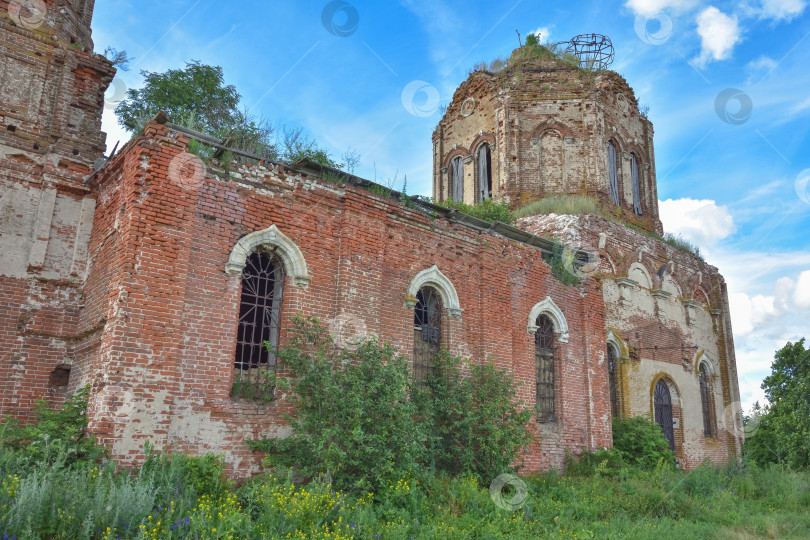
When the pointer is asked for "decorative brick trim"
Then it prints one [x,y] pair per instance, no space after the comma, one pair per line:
[294,263]
[434,277]
[548,307]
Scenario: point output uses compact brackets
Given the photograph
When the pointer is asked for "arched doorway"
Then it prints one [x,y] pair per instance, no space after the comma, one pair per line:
[662,401]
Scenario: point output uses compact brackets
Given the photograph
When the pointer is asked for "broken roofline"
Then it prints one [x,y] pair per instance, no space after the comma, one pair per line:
[312,168]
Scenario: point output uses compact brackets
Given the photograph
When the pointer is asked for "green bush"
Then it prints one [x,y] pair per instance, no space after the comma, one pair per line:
[57,438]
[640,443]
[561,260]
[474,424]
[488,210]
[354,421]
[362,424]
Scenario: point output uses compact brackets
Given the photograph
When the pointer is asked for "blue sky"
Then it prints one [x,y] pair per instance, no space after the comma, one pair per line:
[733,165]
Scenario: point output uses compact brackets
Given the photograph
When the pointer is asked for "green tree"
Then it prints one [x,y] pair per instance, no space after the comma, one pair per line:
[198,98]
[783,434]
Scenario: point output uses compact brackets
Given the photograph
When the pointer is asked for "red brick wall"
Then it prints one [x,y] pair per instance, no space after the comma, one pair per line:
[51,97]
[167,352]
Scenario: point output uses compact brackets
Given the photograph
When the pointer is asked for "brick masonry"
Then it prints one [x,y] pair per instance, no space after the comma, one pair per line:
[120,279]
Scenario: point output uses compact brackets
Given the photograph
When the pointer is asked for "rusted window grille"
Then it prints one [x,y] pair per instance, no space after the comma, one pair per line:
[705,401]
[260,307]
[613,374]
[427,331]
[662,403]
[544,357]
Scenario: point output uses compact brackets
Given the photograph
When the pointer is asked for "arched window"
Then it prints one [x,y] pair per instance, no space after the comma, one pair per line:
[614,173]
[484,173]
[705,400]
[457,179]
[662,405]
[636,184]
[613,376]
[544,359]
[259,314]
[427,331]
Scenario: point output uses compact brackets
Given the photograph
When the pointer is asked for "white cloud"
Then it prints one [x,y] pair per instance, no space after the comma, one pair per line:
[651,7]
[700,221]
[759,68]
[801,106]
[718,35]
[543,34]
[801,294]
[782,9]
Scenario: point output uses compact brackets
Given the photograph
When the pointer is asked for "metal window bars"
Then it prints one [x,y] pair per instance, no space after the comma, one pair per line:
[259,325]
[427,326]
[544,358]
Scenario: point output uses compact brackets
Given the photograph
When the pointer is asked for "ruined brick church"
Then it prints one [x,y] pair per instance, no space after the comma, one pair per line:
[153,278]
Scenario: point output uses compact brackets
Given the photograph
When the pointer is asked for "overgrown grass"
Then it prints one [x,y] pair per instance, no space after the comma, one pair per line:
[562,204]
[582,204]
[606,495]
[680,242]
[100,503]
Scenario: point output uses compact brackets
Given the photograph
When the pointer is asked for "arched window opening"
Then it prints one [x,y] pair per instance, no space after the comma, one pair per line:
[484,173]
[544,359]
[613,375]
[457,179]
[662,404]
[636,184]
[427,330]
[705,400]
[614,174]
[259,316]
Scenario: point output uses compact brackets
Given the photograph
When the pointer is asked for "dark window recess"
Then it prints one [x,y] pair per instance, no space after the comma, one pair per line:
[636,184]
[259,312]
[60,376]
[613,375]
[484,173]
[613,170]
[427,331]
[705,401]
[11,128]
[544,358]
[662,403]
[457,179]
